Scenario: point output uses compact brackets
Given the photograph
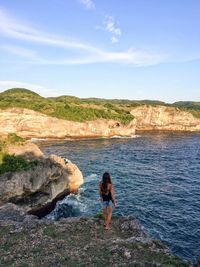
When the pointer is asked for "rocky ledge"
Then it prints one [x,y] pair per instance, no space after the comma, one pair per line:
[28,241]
[31,124]
[36,190]
[163,118]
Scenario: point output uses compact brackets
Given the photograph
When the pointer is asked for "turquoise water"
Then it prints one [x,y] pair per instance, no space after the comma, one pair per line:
[156,179]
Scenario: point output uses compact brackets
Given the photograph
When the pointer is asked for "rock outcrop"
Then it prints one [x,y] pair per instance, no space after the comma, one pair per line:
[27,241]
[36,190]
[30,124]
[27,150]
[164,118]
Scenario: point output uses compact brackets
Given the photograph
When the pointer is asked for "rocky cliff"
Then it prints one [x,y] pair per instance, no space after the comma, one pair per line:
[36,190]
[164,118]
[30,124]
[27,241]
[27,123]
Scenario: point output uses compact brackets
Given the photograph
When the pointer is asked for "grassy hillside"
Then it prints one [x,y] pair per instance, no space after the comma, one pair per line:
[192,107]
[64,107]
[83,109]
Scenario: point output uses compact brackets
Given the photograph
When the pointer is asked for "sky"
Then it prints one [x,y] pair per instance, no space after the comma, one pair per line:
[125,49]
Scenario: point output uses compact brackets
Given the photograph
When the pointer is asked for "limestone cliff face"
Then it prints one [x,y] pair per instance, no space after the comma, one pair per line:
[38,188]
[164,118]
[27,123]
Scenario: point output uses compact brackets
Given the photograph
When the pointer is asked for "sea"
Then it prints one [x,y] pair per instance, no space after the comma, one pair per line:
[156,179]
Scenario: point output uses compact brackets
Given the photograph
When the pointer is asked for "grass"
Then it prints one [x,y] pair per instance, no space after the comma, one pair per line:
[12,163]
[84,109]
[13,138]
[80,243]
[189,106]
[52,232]
[66,107]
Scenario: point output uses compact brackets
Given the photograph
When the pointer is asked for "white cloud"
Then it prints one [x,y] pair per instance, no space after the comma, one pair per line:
[112,27]
[114,39]
[88,4]
[18,50]
[15,29]
[18,30]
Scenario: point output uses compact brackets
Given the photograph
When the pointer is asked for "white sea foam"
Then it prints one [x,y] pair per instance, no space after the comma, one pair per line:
[124,137]
[90,177]
[73,200]
[34,140]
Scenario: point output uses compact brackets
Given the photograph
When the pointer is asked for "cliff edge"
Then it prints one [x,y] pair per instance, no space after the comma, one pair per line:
[37,188]
[77,242]
[164,118]
[31,124]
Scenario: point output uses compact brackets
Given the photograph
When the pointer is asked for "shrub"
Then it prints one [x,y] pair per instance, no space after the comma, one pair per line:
[11,163]
[2,146]
[99,215]
[13,138]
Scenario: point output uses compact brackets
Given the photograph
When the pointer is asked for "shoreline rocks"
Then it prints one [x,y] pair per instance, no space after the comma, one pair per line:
[163,118]
[31,124]
[37,190]
[78,241]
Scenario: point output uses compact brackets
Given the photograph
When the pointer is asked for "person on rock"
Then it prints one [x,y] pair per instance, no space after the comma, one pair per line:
[107,197]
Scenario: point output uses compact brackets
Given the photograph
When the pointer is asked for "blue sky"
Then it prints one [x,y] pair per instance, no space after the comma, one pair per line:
[133,49]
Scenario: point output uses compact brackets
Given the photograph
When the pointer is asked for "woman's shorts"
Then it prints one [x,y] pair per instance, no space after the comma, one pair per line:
[107,203]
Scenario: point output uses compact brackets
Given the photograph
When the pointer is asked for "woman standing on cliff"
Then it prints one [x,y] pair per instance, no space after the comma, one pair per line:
[106,193]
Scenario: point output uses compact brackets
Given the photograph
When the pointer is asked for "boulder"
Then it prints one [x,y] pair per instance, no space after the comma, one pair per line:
[36,190]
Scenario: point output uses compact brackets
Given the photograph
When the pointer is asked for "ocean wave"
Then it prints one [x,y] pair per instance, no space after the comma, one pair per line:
[124,137]
[71,205]
[90,177]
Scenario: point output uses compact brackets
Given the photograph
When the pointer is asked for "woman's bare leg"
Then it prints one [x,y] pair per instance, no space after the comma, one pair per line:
[109,215]
[105,214]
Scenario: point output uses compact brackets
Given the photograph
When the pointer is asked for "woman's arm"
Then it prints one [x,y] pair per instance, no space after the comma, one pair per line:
[113,195]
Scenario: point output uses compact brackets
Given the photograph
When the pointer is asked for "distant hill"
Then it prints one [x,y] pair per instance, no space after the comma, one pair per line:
[191,106]
[64,107]
[82,109]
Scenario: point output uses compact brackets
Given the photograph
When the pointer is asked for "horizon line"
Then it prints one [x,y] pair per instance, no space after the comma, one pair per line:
[101,98]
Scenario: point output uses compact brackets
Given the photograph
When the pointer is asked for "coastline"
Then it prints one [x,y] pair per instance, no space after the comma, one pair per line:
[78,241]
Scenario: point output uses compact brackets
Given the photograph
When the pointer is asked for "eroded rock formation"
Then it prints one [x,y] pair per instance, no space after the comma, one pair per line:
[164,118]
[27,123]
[37,190]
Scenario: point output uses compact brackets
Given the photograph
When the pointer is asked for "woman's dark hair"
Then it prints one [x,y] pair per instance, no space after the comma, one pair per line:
[105,181]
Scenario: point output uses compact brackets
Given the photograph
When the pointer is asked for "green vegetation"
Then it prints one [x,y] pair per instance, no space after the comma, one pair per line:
[83,109]
[99,215]
[64,107]
[12,163]
[2,150]
[13,138]
[82,242]
[192,107]
[52,232]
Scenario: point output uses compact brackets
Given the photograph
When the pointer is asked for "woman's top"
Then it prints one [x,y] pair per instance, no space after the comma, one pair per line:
[106,196]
